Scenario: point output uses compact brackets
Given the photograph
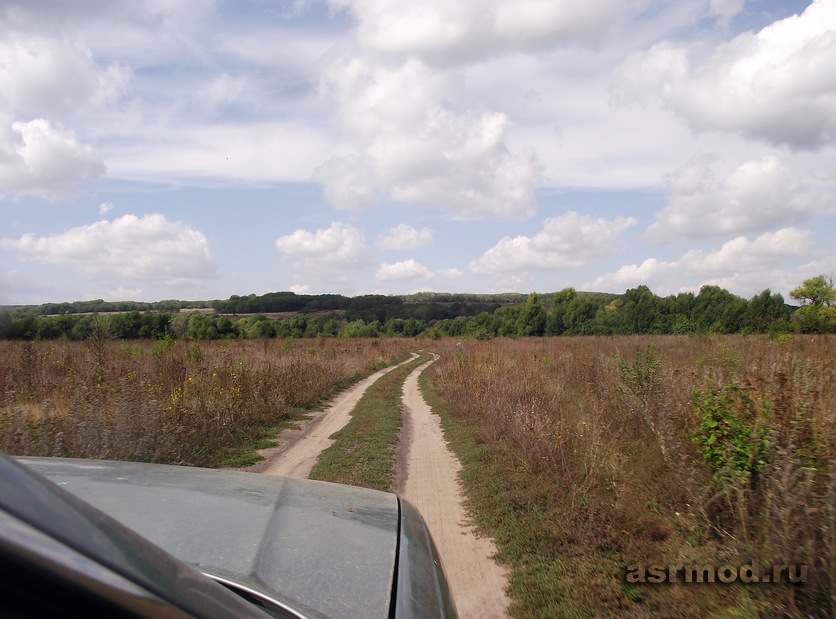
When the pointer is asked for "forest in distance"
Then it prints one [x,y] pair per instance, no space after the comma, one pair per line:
[567,312]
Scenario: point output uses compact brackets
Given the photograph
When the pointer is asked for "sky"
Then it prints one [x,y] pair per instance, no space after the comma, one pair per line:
[193,150]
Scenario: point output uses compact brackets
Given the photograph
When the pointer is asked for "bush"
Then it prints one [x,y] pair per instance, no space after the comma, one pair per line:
[732,433]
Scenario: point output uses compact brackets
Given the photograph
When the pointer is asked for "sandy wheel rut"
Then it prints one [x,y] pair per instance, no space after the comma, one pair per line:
[431,483]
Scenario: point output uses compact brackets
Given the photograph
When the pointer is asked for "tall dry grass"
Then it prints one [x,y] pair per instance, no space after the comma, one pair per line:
[172,402]
[597,437]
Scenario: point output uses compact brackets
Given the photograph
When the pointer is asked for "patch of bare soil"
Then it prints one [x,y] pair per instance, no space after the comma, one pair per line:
[430,481]
[297,449]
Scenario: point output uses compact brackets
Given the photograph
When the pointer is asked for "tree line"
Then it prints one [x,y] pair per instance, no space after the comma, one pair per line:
[567,312]
[432,304]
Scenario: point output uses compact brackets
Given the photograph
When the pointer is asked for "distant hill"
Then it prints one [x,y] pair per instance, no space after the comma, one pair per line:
[286,301]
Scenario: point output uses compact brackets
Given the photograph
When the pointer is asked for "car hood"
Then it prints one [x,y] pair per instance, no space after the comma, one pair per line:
[324,549]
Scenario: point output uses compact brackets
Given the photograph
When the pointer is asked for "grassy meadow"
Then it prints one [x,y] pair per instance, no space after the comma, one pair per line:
[583,456]
[172,402]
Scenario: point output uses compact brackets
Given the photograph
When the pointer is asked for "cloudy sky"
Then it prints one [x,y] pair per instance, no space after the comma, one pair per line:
[197,149]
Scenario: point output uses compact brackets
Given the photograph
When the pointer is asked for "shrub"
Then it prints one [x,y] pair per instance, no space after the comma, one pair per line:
[732,433]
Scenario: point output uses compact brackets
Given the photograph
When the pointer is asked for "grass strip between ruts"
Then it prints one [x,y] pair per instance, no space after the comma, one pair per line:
[363,451]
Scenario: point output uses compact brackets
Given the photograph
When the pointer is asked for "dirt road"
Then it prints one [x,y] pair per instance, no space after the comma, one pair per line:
[297,450]
[430,481]
[427,476]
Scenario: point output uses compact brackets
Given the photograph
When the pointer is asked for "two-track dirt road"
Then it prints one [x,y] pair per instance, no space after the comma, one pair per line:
[427,476]
[297,450]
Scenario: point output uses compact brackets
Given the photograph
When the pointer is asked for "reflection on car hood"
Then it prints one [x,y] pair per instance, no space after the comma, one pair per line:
[324,548]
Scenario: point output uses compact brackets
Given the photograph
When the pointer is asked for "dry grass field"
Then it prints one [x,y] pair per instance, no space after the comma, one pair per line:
[584,456]
[166,401]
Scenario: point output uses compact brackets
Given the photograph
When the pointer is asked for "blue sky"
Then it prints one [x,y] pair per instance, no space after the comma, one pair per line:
[194,150]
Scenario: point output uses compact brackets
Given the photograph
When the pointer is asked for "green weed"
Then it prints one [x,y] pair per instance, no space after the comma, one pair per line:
[732,433]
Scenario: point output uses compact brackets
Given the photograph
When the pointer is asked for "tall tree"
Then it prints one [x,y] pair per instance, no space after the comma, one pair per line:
[716,310]
[639,311]
[818,311]
[532,319]
[817,291]
[556,325]
[764,310]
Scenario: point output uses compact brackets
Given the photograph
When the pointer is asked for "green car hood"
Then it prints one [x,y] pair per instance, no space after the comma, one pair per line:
[325,549]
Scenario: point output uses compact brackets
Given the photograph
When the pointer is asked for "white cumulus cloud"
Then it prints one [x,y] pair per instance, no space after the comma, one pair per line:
[725,10]
[45,76]
[450,273]
[402,271]
[403,237]
[40,160]
[570,240]
[758,195]
[411,275]
[468,30]
[777,85]
[340,243]
[326,260]
[765,252]
[149,248]
[656,274]
[418,140]
[745,266]
[419,151]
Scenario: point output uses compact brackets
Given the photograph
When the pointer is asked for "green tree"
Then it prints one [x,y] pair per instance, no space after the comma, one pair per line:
[359,328]
[580,315]
[331,327]
[201,327]
[413,327]
[639,311]
[532,319]
[818,311]
[507,320]
[5,324]
[764,310]
[817,291]
[680,311]
[716,310]
[47,329]
[282,328]
[82,329]
[248,328]
[482,326]
[455,327]
[607,318]
[556,324]
[298,325]
[314,327]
